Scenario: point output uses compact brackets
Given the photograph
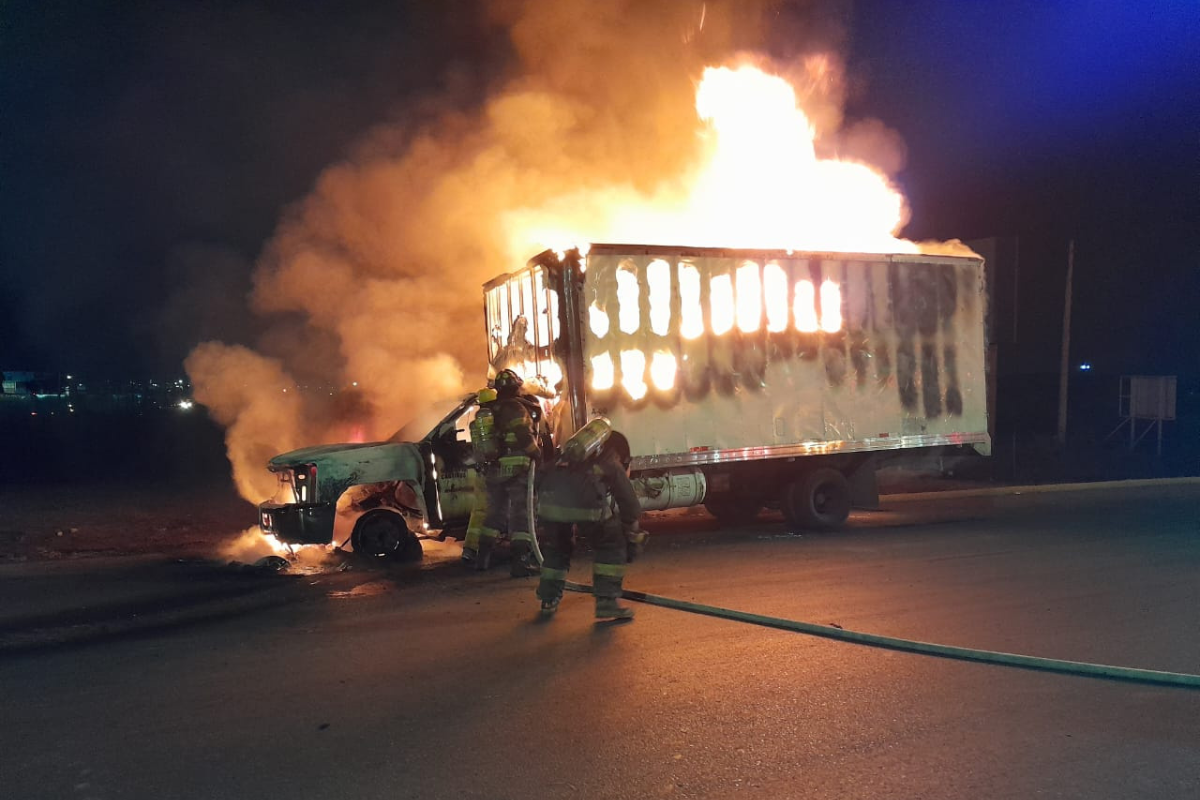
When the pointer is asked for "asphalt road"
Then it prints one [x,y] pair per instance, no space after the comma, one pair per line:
[434,683]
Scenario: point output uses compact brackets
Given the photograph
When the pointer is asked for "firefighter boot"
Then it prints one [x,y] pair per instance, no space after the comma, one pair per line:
[550,589]
[554,576]
[606,582]
[523,563]
[483,556]
[608,608]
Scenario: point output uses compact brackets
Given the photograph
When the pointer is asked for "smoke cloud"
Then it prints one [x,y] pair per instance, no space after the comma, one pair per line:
[371,284]
[256,401]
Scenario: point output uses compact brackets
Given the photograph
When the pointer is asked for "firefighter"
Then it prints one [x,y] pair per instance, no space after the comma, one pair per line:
[588,489]
[508,485]
[484,450]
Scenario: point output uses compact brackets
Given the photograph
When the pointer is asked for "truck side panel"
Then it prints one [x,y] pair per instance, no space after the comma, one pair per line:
[706,356]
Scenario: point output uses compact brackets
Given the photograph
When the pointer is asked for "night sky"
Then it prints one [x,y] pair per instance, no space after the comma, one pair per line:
[148,149]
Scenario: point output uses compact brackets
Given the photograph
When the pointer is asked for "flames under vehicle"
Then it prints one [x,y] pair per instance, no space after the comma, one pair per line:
[743,380]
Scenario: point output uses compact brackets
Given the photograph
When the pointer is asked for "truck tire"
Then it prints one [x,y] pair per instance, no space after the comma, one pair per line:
[382,535]
[818,500]
[733,510]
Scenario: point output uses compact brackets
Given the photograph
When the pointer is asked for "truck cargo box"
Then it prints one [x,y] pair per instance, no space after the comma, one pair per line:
[703,355]
[706,358]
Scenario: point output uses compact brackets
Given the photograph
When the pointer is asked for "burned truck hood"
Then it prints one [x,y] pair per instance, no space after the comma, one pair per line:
[340,466]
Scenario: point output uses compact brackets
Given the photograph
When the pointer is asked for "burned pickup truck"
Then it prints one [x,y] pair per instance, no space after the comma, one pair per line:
[377,496]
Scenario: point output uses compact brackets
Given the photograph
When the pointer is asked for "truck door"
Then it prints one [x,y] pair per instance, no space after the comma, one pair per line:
[454,468]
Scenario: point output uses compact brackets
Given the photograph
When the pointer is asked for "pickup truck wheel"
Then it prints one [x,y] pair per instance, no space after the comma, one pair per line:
[383,535]
[733,510]
[818,500]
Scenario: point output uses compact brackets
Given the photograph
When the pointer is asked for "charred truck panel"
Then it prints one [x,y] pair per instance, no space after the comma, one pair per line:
[745,379]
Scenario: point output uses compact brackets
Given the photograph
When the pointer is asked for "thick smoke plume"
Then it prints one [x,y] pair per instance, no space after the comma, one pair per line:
[372,282]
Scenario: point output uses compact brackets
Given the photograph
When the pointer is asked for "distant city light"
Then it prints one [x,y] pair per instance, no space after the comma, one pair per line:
[186,404]
[1085,367]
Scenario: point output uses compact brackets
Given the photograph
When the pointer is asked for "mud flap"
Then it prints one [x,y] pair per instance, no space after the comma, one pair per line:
[864,488]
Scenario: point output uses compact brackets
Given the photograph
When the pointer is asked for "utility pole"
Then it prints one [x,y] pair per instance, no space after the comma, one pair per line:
[1016,286]
[1064,364]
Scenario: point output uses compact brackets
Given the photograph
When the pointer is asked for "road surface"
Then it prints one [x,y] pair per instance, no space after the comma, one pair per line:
[436,683]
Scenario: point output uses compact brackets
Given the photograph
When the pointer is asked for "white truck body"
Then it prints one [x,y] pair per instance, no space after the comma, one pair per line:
[706,359]
[904,369]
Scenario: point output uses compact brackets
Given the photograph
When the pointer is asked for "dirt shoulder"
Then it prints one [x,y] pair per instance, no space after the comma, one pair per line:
[57,521]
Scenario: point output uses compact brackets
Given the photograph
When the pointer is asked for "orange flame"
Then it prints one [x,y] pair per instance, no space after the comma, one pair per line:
[759,185]
[765,187]
[633,372]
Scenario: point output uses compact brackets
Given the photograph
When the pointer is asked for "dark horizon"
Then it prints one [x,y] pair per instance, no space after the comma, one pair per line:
[151,149]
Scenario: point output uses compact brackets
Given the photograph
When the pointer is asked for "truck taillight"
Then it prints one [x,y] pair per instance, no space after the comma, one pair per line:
[305,478]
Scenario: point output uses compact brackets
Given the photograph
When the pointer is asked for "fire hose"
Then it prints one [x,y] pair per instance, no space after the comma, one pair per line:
[531,509]
[911,646]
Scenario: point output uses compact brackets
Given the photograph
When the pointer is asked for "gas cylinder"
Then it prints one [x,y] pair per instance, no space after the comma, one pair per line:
[587,441]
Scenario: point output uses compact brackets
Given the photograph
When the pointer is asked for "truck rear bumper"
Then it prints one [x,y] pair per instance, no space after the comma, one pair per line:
[298,524]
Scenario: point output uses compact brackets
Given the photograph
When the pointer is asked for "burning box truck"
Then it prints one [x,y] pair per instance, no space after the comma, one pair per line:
[743,380]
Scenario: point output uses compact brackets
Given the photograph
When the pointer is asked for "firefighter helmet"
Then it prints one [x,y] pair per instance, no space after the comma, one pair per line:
[508,380]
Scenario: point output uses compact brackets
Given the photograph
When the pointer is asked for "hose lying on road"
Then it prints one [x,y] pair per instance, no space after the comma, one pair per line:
[910,646]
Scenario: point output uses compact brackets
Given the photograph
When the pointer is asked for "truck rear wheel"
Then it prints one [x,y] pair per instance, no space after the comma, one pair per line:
[733,510]
[818,500]
[383,535]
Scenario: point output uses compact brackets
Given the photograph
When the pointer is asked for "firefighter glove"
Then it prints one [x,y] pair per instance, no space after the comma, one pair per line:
[635,542]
